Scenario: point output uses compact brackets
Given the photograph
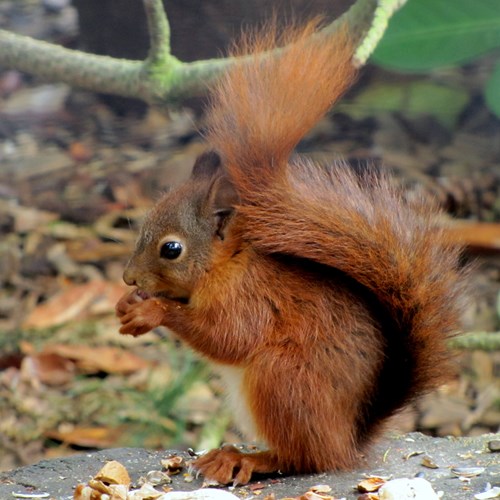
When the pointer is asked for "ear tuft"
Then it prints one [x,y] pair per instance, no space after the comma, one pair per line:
[206,165]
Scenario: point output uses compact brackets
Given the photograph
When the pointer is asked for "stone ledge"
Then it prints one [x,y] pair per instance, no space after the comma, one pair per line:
[59,477]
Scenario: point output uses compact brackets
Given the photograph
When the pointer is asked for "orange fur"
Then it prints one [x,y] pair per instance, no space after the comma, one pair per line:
[285,95]
[333,296]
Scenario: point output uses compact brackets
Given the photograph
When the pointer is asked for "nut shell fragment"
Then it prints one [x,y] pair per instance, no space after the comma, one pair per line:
[157,478]
[173,463]
[429,463]
[320,488]
[113,472]
[371,484]
[467,471]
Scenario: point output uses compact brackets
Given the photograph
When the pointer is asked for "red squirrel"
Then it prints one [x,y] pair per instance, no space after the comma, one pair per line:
[323,297]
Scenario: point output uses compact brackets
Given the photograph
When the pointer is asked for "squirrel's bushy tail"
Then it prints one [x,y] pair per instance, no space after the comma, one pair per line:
[265,104]
[358,224]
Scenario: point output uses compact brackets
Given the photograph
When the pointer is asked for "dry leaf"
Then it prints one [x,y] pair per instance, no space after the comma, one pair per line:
[80,152]
[96,250]
[99,359]
[30,219]
[67,305]
[480,235]
[89,437]
[48,368]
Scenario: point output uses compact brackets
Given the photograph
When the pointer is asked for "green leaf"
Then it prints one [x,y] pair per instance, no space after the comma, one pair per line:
[427,34]
[492,95]
[411,99]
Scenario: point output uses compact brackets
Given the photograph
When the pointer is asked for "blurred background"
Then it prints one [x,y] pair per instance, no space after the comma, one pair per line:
[78,171]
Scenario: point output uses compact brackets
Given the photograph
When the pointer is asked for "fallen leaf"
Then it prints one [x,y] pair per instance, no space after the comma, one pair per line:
[479,235]
[96,250]
[76,302]
[48,368]
[28,219]
[67,305]
[88,437]
[94,359]
[80,152]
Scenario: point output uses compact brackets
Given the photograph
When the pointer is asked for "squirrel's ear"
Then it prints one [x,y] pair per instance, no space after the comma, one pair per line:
[206,165]
[222,199]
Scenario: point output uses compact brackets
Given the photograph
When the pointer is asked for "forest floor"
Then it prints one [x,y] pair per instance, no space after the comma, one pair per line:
[75,180]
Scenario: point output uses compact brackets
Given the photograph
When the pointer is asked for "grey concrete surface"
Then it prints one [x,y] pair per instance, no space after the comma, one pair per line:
[390,457]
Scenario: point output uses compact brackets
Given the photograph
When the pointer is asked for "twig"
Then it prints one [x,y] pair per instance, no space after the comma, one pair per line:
[159,31]
[381,16]
[484,341]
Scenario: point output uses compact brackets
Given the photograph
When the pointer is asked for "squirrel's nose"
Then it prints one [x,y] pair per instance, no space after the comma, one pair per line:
[128,277]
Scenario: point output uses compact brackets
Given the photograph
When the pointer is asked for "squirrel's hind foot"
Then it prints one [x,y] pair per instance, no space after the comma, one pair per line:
[229,465]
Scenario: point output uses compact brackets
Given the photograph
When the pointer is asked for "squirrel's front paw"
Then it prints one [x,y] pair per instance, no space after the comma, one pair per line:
[229,465]
[139,316]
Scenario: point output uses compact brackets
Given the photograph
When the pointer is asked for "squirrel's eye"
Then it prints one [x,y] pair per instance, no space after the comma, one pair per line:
[170,250]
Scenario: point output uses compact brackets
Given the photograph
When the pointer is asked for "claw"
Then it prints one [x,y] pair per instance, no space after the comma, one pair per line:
[229,465]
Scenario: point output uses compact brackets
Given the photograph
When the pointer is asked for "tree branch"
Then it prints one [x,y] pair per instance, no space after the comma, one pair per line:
[484,341]
[89,71]
[161,78]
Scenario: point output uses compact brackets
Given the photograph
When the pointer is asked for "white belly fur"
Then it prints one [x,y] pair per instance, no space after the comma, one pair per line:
[232,378]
